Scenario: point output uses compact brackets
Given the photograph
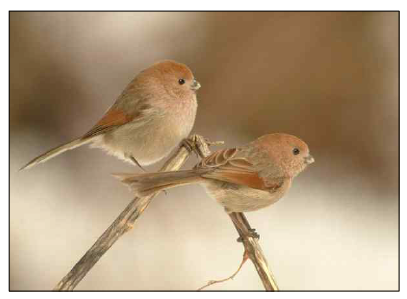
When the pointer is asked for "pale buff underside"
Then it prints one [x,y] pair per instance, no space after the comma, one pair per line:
[148,141]
[239,198]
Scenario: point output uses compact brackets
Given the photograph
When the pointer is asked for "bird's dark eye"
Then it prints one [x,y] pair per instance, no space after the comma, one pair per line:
[181,81]
[296,151]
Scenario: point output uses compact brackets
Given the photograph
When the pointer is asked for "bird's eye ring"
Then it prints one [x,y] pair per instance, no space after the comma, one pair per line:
[296,151]
[181,81]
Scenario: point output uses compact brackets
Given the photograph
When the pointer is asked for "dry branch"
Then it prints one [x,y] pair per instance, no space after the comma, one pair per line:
[254,251]
[250,244]
[125,221]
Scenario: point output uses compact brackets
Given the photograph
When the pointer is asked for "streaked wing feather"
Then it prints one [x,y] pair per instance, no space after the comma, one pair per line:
[218,158]
[113,118]
[228,167]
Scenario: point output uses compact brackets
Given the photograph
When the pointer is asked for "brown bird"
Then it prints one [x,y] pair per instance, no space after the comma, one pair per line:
[153,114]
[241,179]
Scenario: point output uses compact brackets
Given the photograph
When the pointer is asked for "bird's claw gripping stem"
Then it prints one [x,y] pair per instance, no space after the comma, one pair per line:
[198,145]
[252,234]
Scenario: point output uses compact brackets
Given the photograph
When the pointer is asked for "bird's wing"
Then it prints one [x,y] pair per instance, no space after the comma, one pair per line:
[229,167]
[116,117]
[112,119]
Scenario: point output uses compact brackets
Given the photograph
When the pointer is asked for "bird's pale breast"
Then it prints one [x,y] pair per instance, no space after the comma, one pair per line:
[239,198]
[150,141]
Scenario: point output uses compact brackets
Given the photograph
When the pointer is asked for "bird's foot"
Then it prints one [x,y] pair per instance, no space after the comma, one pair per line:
[189,145]
[252,234]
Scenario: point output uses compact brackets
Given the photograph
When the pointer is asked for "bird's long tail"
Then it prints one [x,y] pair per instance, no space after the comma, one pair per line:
[148,183]
[56,151]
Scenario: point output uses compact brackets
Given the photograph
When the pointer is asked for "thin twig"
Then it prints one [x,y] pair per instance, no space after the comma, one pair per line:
[211,143]
[211,282]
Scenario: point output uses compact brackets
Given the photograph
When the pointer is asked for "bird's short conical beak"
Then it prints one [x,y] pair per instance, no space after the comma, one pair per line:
[195,85]
[309,159]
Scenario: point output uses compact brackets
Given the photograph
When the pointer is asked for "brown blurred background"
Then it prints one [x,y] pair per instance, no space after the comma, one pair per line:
[329,78]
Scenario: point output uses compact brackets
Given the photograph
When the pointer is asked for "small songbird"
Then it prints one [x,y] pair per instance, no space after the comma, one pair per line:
[153,114]
[241,179]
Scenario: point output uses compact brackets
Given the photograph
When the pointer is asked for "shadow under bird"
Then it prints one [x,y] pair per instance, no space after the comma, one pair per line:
[154,113]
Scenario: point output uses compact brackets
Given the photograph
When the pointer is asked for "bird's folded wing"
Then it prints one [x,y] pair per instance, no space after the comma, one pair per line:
[229,167]
[116,117]
[110,120]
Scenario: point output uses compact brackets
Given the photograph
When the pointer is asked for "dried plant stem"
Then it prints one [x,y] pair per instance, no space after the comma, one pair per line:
[250,244]
[125,221]
[254,251]
[211,282]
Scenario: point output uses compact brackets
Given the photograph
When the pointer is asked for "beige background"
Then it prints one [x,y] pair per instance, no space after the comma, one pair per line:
[329,78]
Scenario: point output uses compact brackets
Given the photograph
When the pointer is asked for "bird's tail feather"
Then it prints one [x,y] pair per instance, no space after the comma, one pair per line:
[149,183]
[56,151]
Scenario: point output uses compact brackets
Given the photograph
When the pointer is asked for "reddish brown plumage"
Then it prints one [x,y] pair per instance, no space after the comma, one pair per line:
[242,179]
[151,116]
[249,179]
[111,119]
[169,67]
[229,168]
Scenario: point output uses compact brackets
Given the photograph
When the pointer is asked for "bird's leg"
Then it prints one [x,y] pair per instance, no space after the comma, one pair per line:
[194,144]
[252,233]
[244,228]
[137,163]
[190,145]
